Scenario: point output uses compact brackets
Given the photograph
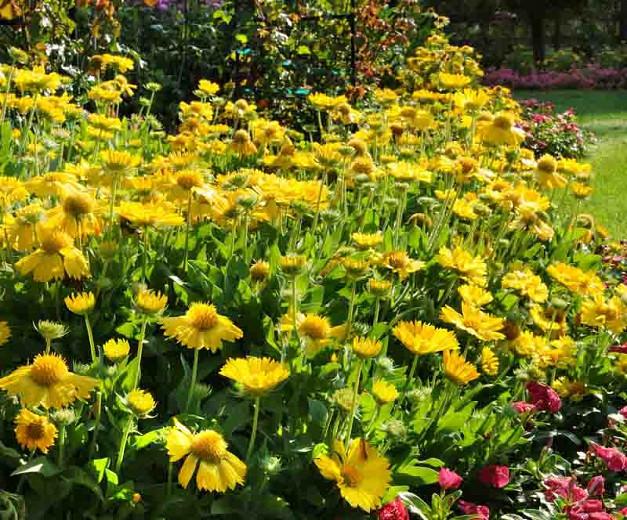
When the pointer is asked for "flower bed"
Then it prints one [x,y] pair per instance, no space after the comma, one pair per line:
[591,76]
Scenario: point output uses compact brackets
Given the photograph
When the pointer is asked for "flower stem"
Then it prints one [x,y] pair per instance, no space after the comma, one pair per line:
[188,224]
[410,376]
[145,246]
[253,436]
[354,402]
[90,335]
[192,383]
[92,445]
[140,350]
[61,444]
[351,310]
[125,434]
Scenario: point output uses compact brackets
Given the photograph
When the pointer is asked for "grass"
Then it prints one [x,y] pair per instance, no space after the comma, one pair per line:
[605,114]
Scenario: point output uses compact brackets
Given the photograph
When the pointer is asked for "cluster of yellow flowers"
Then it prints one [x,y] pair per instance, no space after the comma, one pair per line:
[424,207]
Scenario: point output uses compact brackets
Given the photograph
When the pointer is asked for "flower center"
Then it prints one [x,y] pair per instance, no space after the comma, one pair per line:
[209,446]
[77,205]
[351,476]
[48,369]
[55,241]
[35,430]
[503,122]
[315,327]
[397,260]
[189,180]
[203,316]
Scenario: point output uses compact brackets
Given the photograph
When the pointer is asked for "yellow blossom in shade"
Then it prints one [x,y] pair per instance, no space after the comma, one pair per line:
[201,327]
[140,402]
[584,283]
[5,332]
[116,349]
[580,190]
[366,347]
[473,269]
[604,314]
[379,288]
[154,214]
[259,271]
[384,392]
[47,382]
[568,389]
[400,263]
[314,331]
[81,303]
[361,473]
[527,284]
[457,369]
[55,258]
[549,319]
[527,344]
[421,338]
[34,432]
[150,302]
[480,324]
[474,295]
[367,240]
[77,215]
[207,451]
[257,375]
[291,265]
[489,362]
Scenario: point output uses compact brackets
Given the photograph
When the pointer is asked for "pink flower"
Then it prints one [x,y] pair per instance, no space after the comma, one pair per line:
[620,349]
[394,510]
[522,407]
[615,459]
[543,397]
[448,479]
[494,475]
[564,487]
[596,486]
[468,508]
[588,510]
[623,411]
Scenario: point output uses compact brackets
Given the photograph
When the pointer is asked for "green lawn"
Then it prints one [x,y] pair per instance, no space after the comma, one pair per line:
[605,114]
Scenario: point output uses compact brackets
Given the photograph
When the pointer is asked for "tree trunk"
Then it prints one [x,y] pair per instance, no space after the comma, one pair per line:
[538,41]
[622,32]
[557,30]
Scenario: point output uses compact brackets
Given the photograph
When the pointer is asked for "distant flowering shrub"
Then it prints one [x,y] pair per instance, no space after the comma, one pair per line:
[590,76]
[553,133]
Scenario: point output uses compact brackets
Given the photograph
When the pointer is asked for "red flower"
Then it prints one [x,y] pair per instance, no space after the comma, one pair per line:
[588,510]
[494,475]
[523,407]
[615,459]
[623,411]
[564,487]
[620,349]
[394,510]
[449,479]
[596,486]
[543,397]
[468,508]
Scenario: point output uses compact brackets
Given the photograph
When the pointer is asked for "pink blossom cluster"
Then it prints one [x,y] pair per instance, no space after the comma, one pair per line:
[592,76]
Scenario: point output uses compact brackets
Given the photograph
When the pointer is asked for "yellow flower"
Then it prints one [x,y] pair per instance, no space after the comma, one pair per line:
[258,376]
[584,283]
[140,402]
[610,314]
[81,303]
[5,332]
[367,240]
[527,284]
[379,288]
[527,344]
[259,271]
[366,347]
[116,349]
[361,473]
[218,469]
[400,263]
[547,175]
[489,362]
[474,295]
[150,302]
[117,162]
[500,130]
[422,338]
[55,258]
[77,215]
[472,269]
[201,327]
[155,214]
[34,431]
[457,369]
[47,382]
[567,389]
[314,331]
[384,392]
[453,81]
[208,88]
[291,265]
[474,321]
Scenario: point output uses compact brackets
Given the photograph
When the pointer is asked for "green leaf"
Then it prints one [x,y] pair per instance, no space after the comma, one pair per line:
[302,50]
[242,38]
[98,466]
[41,466]
[79,477]
[148,438]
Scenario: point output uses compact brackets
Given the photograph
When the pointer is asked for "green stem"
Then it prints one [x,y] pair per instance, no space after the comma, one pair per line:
[90,335]
[354,402]
[410,376]
[48,345]
[251,443]
[192,383]
[127,431]
[188,224]
[351,310]
[145,246]
[61,452]
[94,439]
[140,350]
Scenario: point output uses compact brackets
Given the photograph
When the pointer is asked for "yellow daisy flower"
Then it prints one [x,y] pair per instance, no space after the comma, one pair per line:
[80,303]
[140,402]
[47,382]
[474,321]
[400,263]
[366,347]
[218,469]
[150,302]
[5,332]
[257,375]
[201,327]
[421,338]
[34,432]
[116,350]
[384,392]
[457,369]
